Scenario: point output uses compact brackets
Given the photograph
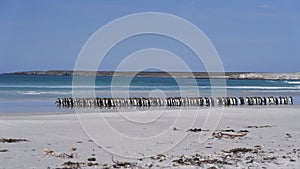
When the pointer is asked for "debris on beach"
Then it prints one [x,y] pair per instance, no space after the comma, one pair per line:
[198,160]
[119,164]
[194,130]
[159,157]
[259,147]
[176,129]
[91,159]
[230,134]
[57,154]
[3,150]
[265,126]
[231,130]
[227,133]
[269,158]
[244,131]
[288,135]
[72,165]
[11,140]
[241,157]
[239,150]
[77,165]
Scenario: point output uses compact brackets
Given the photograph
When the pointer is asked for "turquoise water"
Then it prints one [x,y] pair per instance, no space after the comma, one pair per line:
[27,93]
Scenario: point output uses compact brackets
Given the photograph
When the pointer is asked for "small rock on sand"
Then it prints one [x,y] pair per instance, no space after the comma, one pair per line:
[73,148]
[91,159]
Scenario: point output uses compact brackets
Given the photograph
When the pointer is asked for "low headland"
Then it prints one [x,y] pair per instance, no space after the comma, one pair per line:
[204,75]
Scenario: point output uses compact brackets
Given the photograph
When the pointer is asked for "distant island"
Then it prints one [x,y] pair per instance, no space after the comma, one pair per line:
[226,75]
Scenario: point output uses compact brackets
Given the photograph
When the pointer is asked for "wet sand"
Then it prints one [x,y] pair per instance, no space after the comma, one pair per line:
[252,136]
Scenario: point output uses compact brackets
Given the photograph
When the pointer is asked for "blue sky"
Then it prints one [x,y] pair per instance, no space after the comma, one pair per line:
[259,36]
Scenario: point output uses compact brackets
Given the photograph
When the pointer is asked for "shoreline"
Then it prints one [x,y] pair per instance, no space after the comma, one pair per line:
[271,140]
[70,111]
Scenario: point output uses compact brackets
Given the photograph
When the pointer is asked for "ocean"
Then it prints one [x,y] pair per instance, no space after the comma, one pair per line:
[37,93]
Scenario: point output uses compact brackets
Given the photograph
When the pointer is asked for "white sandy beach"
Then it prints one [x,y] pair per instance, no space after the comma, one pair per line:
[271,140]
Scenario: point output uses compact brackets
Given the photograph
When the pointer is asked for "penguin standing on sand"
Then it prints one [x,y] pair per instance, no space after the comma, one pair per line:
[242,101]
[264,101]
[285,100]
[58,101]
[276,100]
[291,100]
[211,101]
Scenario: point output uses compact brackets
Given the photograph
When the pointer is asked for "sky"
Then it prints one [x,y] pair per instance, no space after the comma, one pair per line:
[249,36]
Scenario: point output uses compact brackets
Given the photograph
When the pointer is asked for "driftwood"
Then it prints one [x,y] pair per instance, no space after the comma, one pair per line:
[11,140]
[265,126]
[57,154]
[194,130]
[231,135]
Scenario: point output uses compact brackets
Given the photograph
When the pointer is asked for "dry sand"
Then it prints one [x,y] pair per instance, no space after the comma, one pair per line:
[246,137]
